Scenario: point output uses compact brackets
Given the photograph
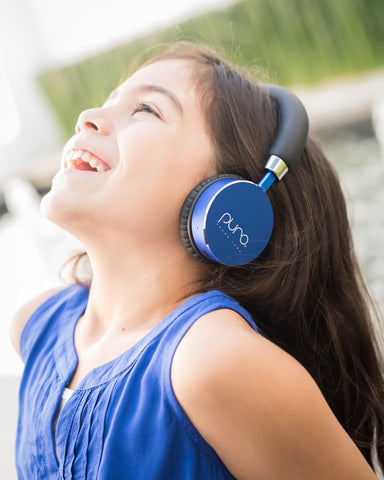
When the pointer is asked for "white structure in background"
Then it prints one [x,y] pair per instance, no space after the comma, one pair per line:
[378,123]
[53,246]
[29,125]
[343,101]
[32,251]
[28,130]
[10,122]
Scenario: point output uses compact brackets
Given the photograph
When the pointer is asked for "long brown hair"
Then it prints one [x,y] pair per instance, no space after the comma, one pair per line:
[305,291]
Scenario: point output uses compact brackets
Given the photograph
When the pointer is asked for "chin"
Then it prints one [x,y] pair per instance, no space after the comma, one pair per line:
[57,208]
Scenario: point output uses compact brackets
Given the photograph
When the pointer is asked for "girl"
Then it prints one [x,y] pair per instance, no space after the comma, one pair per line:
[165,367]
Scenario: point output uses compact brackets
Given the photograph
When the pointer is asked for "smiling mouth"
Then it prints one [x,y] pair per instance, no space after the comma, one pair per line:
[84,160]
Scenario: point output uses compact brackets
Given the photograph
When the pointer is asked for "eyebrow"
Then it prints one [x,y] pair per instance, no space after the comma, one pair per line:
[158,89]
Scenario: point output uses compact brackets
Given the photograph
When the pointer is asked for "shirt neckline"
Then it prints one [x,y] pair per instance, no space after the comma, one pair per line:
[65,352]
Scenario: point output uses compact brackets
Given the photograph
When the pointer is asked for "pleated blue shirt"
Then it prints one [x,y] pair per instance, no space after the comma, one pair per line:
[123,421]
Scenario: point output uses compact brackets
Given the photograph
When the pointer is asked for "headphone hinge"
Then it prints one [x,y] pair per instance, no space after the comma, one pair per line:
[277,166]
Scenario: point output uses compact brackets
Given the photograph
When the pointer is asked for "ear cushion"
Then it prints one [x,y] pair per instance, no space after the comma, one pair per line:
[187,211]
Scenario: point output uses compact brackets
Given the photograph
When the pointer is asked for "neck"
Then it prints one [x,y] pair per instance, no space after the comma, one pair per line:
[136,291]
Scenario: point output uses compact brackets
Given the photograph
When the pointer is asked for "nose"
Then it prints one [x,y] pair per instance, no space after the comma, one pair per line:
[94,119]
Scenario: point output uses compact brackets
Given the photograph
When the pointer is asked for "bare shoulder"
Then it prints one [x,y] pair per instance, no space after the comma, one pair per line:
[223,338]
[22,315]
[258,407]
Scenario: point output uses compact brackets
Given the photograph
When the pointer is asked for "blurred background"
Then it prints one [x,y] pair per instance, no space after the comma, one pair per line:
[58,58]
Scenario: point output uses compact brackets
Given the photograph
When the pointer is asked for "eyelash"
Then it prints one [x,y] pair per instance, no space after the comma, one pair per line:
[144,107]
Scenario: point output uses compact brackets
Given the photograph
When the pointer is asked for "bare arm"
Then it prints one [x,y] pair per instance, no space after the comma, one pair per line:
[21,317]
[258,407]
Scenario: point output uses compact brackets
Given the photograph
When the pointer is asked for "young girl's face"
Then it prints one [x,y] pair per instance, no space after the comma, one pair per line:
[150,145]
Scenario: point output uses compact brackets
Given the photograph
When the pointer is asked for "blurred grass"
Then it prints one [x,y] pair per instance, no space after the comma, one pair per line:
[292,42]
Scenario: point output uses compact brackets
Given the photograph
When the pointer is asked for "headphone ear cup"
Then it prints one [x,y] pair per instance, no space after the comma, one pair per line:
[187,211]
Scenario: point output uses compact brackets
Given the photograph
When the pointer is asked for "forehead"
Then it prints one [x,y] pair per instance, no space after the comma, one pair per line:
[174,75]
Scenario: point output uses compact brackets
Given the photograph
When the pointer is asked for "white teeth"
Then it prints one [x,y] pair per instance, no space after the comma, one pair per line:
[87,157]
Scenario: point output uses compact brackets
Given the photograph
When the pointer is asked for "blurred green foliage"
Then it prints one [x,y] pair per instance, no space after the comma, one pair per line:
[292,42]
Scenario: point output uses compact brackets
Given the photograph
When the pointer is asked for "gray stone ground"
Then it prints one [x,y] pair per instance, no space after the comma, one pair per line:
[361,167]
[362,170]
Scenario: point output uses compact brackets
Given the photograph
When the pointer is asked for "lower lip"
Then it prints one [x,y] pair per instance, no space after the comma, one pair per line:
[79,170]
[75,173]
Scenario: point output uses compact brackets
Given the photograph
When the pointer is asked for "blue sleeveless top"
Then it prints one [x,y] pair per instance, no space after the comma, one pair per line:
[123,421]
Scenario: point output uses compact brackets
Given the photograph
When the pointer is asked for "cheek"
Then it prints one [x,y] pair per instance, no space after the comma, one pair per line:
[155,165]
[158,168]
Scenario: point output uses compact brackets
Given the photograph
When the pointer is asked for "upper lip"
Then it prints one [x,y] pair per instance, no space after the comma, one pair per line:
[92,157]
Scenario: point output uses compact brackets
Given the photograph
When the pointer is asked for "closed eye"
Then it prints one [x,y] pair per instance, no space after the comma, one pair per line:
[142,107]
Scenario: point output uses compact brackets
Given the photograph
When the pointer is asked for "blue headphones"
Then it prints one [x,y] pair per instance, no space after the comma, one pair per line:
[229,220]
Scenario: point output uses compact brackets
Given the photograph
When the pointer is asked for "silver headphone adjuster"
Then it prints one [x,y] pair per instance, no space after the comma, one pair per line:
[277,166]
